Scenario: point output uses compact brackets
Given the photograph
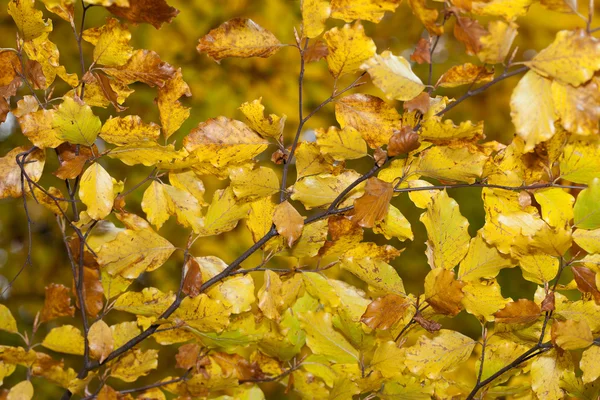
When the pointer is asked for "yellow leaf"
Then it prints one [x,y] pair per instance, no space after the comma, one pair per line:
[184,206]
[127,130]
[580,161]
[393,75]
[100,340]
[496,45]
[189,181]
[571,335]
[64,339]
[222,141]
[532,110]
[483,299]
[546,372]
[7,321]
[270,297]
[111,43]
[312,239]
[367,264]
[134,364]
[96,191]
[271,126]
[39,129]
[44,51]
[28,19]
[134,252]
[589,364]
[260,219]
[349,48]
[321,338]
[507,9]
[21,391]
[537,267]
[578,108]
[310,160]
[447,231]
[454,164]
[372,117]
[113,286]
[239,37]
[320,190]
[155,204]
[482,261]
[288,221]
[76,123]
[572,58]
[124,332]
[223,213]
[436,353]
[252,184]
[314,15]
[407,387]
[236,293]
[172,112]
[153,154]
[149,302]
[466,74]
[394,224]
[369,10]
[427,16]
[205,314]
[345,144]
[387,359]
[589,240]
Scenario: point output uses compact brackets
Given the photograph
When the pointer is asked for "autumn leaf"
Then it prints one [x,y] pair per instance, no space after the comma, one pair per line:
[134,364]
[111,43]
[443,291]
[7,321]
[64,339]
[57,303]
[469,32]
[344,144]
[572,58]
[495,45]
[321,338]
[427,16]
[251,184]
[193,278]
[172,112]
[385,311]
[370,10]
[373,205]
[269,126]
[101,340]
[586,211]
[422,53]
[29,20]
[394,76]
[586,281]
[76,123]
[239,37]
[466,74]
[521,311]
[314,15]
[96,191]
[143,66]
[21,391]
[288,221]
[403,142]
[571,335]
[348,48]
[154,12]
[126,130]
[10,184]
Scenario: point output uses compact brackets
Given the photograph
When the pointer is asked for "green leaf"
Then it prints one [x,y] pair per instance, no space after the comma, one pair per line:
[587,206]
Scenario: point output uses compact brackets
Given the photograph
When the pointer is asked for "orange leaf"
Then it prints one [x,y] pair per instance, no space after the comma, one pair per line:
[154,12]
[373,205]
[57,303]
[288,221]
[422,53]
[469,32]
[187,356]
[586,281]
[421,103]
[403,141]
[385,311]
[521,311]
[443,292]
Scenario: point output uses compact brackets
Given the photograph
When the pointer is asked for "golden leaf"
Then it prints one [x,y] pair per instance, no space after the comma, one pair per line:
[571,335]
[466,74]
[143,66]
[239,37]
[288,221]
[111,43]
[57,303]
[7,321]
[369,10]
[383,312]
[28,19]
[271,126]
[172,112]
[483,299]
[75,122]
[252,184]
[578,108]
[64,339]
[373,205]
[314,15]
[393,75]
[223,213]
[345,144]
[44,51]
[321,338]
[521,311]
[496,45]
[100,340]
[443,292]
[96,191]
[21,391]
[134,364]
[349,48]
[320,190]
[155,12]
[427,16]
[127,130]
[10,172]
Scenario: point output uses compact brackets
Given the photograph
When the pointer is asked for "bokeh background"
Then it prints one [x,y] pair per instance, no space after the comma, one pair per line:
[219,89]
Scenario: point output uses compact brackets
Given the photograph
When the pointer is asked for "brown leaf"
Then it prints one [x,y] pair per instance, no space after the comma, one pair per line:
[92,291]
[385,311]
[443,292]
[420,103]
[193,278]
[373,205]
[4,109]
[403,141]
[427,324]
[100,340]
[521,311]
[548,302]
[279,157]
[144,66]
[35,74]
[72,168]
[380,156]
[72,159]
[154,12]
[422,53]
[288,221]
[187,356]
[57,303]
[469,32]
[10,67]
[316,52]
[586,281]
[108,92]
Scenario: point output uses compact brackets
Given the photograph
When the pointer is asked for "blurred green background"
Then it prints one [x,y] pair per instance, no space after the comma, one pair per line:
[219,89]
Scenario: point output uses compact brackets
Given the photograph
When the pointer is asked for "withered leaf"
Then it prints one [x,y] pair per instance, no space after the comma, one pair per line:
[187,356]
[193,278]
[469,32]
[586,281]
[373,205]
[427,324]
[443,292]
[154,12]
[521,311]
[422,53]
[385,311]
[57,303]
[403,141]
[420,103]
